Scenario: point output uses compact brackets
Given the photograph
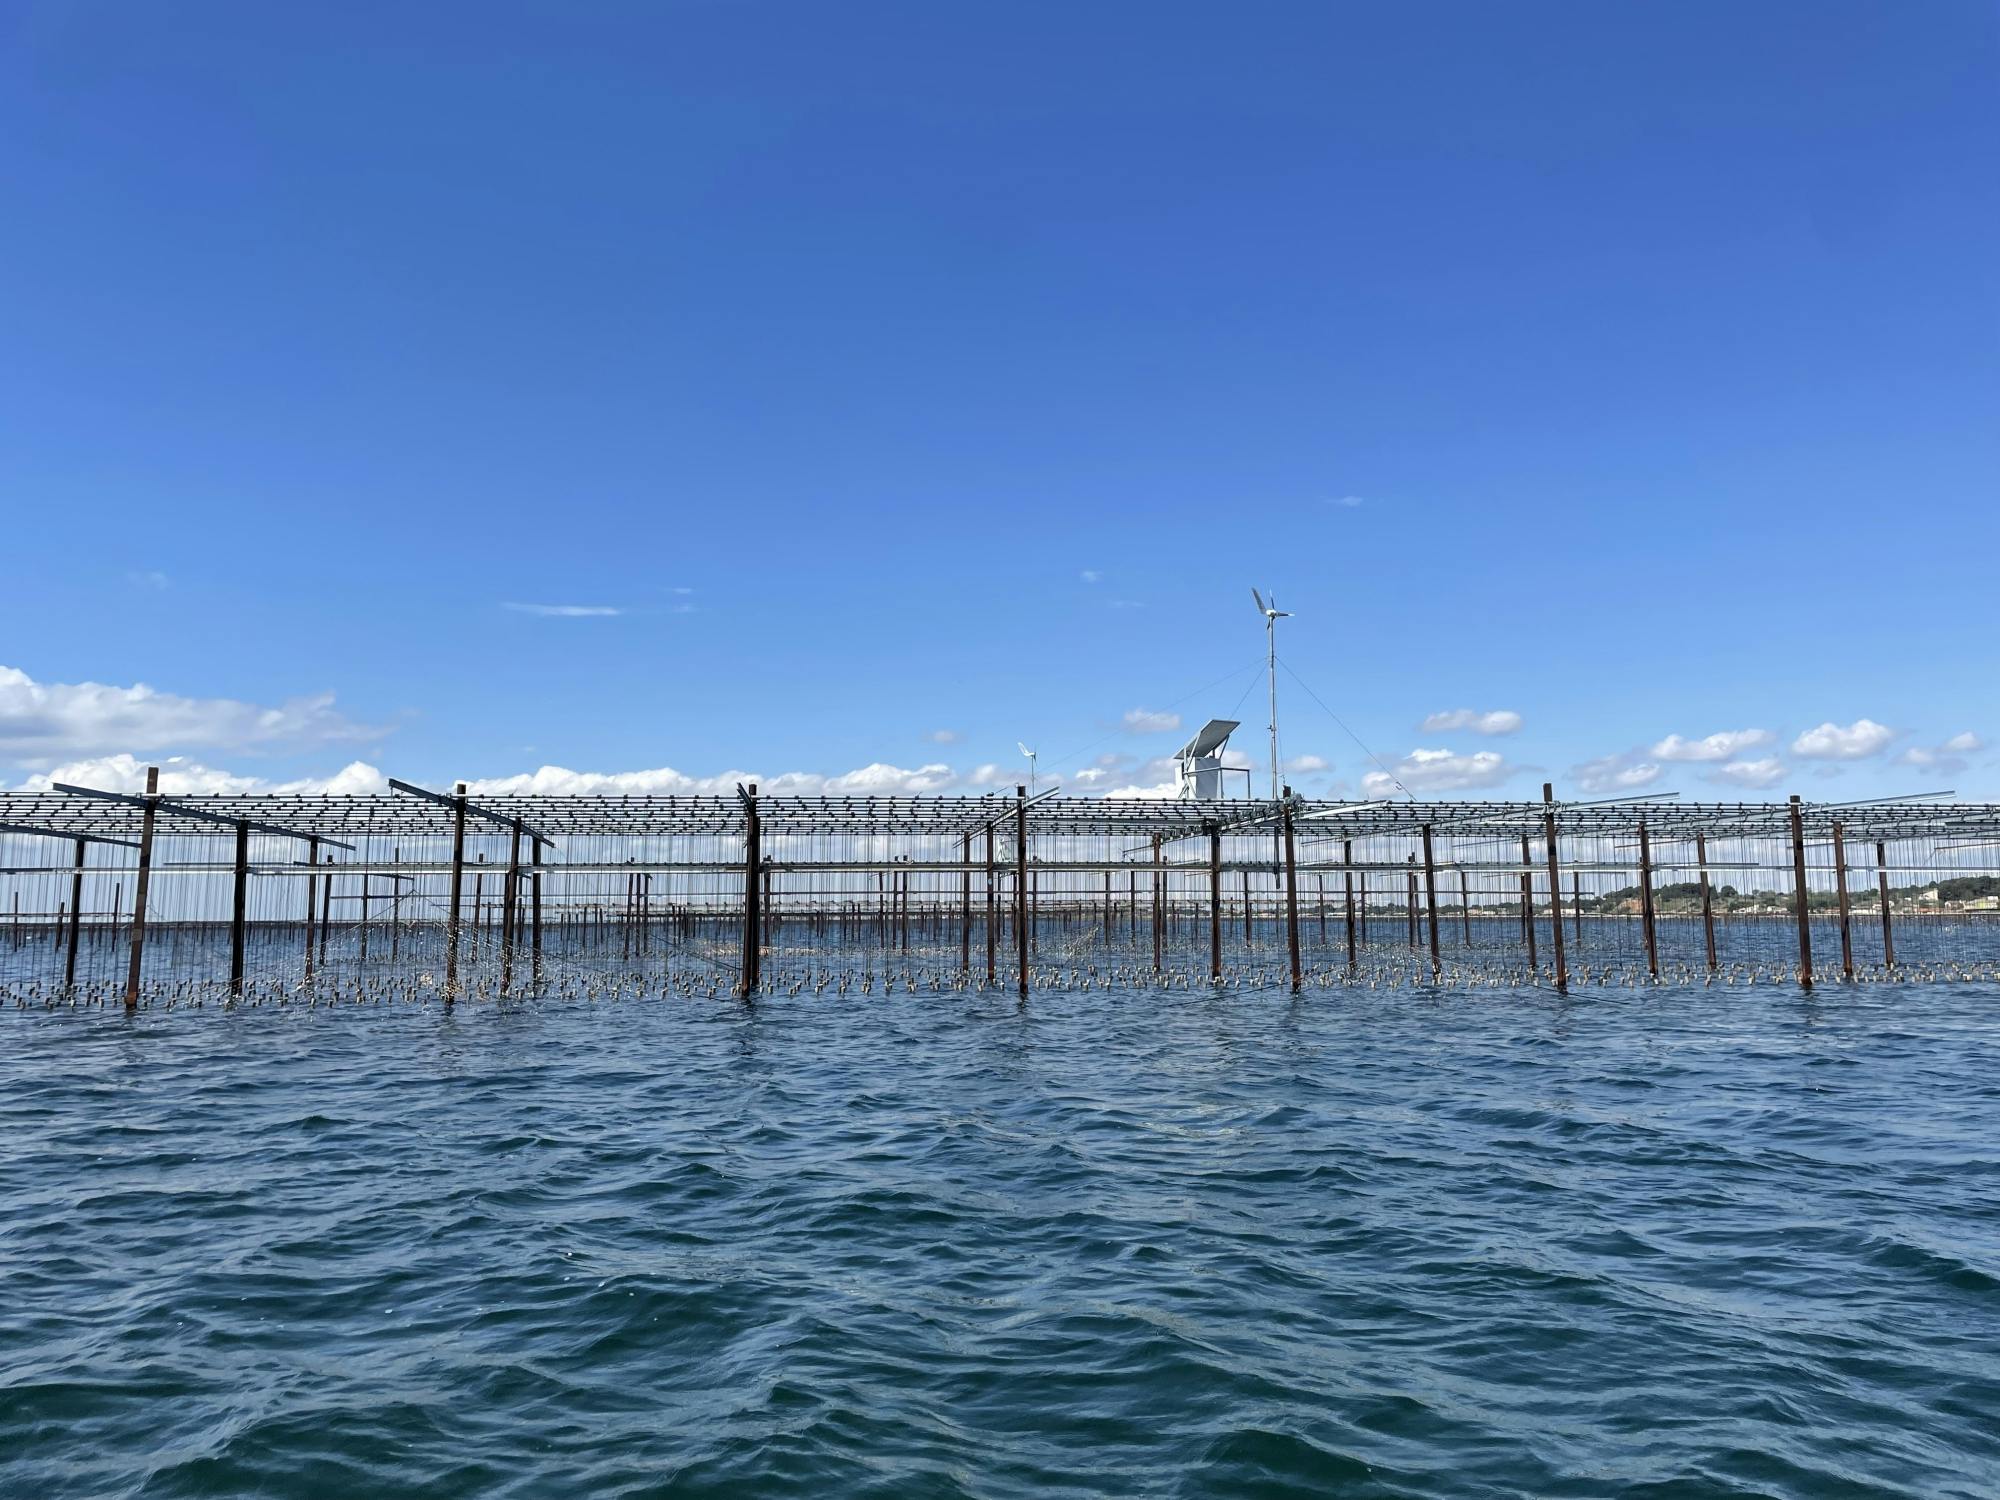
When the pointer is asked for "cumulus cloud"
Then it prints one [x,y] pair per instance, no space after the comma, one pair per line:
[42,720]
[944,736]
[1616,773]
[1306,765]
[876,780]
[186,778]
[1722,745]
[1439,771]
[1948,757]
[1491,721]
[1146,721]
[1765,771]
[1856,741]
[567,611]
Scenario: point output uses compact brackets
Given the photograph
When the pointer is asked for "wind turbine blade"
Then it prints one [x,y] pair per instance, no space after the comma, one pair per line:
[1260,600]
[1024,750]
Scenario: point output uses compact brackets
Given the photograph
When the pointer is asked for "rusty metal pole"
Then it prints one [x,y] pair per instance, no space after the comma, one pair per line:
[75,916]
[1431,904]
[1707,898]
[992,914]
[1021,939]
[1646,901]
[238,904]
[1882,889]
[141,886]
[451,916]
[1840,889]
[1799,894]
[1555,887]
[1292,897]
[1214,904]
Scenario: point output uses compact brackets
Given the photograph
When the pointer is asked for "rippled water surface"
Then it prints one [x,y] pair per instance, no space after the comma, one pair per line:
[1677,1243]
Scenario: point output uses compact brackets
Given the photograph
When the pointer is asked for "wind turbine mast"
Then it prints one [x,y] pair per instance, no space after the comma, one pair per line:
[1031,766]
[1272,614]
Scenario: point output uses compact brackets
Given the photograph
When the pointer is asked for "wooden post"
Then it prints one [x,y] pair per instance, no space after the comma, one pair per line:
[451,916]
[312,900]
[1347,846]
[238,913]
[753,855]
[140,888]
[1528,902]
[1799,894]
[992,914]
[1646,900]
[1576,907]
[1707,899]
[75,916]
[1292,896]
[1021,939]
[1840,891]
[1431,904]
[1882,895]
[510,904]
[535,906]
[965,904]
[1249,932]
[1464,908]
[1159,907]
[1555,887]
[1214,904]
[325,912]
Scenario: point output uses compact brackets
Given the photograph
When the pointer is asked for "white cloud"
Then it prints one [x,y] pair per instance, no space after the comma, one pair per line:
[1439,771]
[1948,758]
[1090,575]
[1146,721]
[1721,745]
[877,780]
[41,720]
[1766,771]
[572,611]
[1153,792]
[944,736]
[186,778]
[1616,773]
[1862,738]
[1348,502]
[1305,765]
[1493,721]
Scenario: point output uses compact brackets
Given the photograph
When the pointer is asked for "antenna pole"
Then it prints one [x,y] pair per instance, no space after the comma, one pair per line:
[1271,636]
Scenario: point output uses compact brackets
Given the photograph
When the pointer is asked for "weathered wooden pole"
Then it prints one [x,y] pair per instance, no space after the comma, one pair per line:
[1292,897]
[451,917]
[1555,887]
[1021,939]
[752,886]
[1707,898]
[1431,904]
[1214,904]
[965,904]
[510,901]
[992,914]
[1159,907]
[1464,908]
[1646,900]
[140,887]
[1347,847]
[1882,895]
[1249,931]
[1840,890]
[535,905]
[1799,894]
[1528,902]
[312,900]
[238,907]
[325,912]
[75,916]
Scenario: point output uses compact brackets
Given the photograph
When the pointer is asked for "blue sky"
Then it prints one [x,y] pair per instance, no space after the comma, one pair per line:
[893,372]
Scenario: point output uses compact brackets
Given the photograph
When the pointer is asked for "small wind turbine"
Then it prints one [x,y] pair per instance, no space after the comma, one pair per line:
[1031,767]
[1272,614]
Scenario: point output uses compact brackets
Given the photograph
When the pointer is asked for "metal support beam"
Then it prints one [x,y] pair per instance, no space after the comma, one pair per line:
[1555,887]
[239,915]
[152,805]
[1799,894]
[1292,897]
